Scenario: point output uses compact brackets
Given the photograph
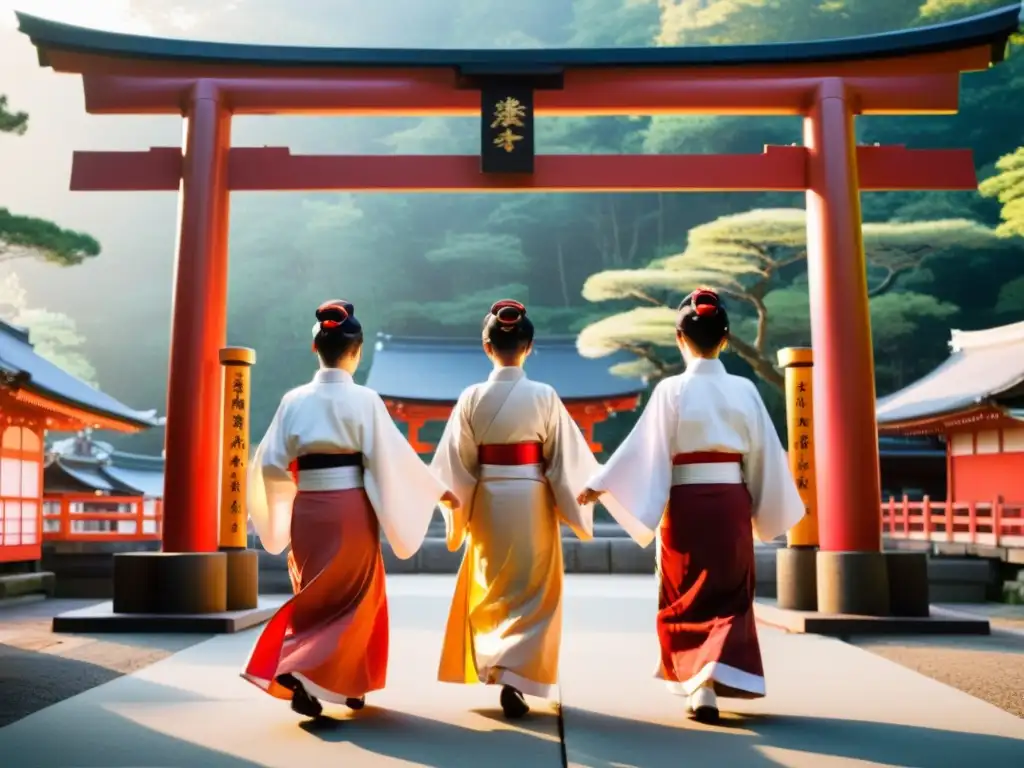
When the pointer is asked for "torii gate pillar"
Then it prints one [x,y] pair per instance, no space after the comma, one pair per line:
[852,573]
[190,577]
[198,328]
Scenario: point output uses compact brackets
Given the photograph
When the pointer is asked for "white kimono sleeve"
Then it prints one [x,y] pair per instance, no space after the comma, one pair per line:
[569,464]
[776,505]
[402,490]
[271,488]
[456,464]
[637,479]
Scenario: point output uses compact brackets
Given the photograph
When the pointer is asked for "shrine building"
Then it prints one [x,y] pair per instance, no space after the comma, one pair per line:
[37,397]
[420,380]
[975,402]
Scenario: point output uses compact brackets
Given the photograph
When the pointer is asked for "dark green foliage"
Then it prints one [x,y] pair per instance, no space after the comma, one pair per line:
[22,236]
[12,122]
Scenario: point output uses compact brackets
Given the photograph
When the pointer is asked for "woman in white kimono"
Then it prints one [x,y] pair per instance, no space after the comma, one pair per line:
[705,469]
[514,455]
[331,472]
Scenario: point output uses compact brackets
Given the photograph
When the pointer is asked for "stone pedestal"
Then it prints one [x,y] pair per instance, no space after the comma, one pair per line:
[853,583]
[170,582]
[908,583]
[195,592]
[796,578]
[243,579]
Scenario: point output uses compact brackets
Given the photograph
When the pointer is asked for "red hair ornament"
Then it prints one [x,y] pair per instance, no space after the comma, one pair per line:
[330,323]
[508,313]
[710,306]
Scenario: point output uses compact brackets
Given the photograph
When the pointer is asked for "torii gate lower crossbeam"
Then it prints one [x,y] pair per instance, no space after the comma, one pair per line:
[827,82]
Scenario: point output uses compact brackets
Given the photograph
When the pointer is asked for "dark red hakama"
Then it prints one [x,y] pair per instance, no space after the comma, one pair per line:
[706,600]
[333,634]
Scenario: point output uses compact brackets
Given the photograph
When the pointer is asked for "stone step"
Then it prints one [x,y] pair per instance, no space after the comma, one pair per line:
[21,584]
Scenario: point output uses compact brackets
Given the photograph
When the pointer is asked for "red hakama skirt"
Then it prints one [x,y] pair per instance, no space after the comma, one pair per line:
[706,570]
[332,635]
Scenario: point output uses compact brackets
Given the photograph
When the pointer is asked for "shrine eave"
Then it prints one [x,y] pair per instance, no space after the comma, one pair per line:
[432,372]
[983,415]
[37,383]
[992,29]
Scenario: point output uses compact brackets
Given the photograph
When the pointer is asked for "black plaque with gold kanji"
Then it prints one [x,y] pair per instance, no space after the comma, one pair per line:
[506,129]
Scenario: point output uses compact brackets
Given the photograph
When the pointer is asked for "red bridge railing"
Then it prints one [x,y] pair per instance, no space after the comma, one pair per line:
[102,518]
[997,523]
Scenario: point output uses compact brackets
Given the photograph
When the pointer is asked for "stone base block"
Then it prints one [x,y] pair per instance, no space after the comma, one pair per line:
[845,625]
[908,583]
[796,577]
[435,557]
[592,556]
[164,583]
[101,618]
[393,564]
[853,583]
[20,584]
[243,579]
[627,557]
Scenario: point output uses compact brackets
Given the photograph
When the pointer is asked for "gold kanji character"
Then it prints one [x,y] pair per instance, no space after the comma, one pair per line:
[508,113]
[507,140]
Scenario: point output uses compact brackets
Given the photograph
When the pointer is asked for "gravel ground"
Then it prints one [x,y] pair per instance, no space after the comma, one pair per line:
[39,668]
[989,668]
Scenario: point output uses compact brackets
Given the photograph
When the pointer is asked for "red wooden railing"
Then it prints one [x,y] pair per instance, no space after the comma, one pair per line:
[102,518]
[997,523]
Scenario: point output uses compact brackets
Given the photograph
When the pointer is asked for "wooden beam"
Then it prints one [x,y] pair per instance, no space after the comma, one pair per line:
[275,168]
[155,170]
[415,93]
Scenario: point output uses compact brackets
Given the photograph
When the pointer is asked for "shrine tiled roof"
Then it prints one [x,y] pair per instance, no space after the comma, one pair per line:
[426,370]
[990,28]
[982,366]
[24,368]
[116,473]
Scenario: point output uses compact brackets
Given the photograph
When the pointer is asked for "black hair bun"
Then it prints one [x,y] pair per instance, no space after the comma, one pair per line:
[508,313]
[336,314]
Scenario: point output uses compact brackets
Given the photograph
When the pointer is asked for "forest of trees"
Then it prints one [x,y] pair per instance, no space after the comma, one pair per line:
[22,237]
[610,267]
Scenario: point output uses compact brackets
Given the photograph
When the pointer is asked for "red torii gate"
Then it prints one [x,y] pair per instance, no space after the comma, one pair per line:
[828,83]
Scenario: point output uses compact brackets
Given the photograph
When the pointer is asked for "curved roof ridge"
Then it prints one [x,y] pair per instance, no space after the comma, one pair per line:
[436,370]
[982,365]
[986,337]
[992,27]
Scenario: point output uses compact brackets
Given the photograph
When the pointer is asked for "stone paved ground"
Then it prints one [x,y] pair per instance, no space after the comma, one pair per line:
[39,668]
[989,668]
[830,704]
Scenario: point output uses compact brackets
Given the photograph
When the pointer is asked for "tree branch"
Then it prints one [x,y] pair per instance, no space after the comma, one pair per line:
[647,353]
[756,360]
[644,297]
[762,323]
[886,284]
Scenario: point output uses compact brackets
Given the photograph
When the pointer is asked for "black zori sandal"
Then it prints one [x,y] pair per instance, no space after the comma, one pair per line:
[512,703]
[355,702]
[302,703]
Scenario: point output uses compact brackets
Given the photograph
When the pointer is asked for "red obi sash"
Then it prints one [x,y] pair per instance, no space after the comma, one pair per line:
[511,454]
[707,457]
